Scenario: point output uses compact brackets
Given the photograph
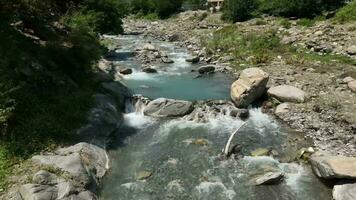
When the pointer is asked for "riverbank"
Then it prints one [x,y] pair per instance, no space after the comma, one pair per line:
[74,171]
[328,117]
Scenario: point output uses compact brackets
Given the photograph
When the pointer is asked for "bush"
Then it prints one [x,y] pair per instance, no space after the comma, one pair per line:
[347,13]
[238,10]
[285,23]
[163,8]
[306,22]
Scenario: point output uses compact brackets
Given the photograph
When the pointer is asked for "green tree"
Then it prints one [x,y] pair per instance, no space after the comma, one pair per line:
[238,10]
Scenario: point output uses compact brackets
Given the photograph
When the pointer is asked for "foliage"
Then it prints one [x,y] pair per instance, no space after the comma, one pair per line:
[285,23]
[47,52]
[240,10]
[306,22]
[163,8]
[246,48]
[194,4]
[347,13]
[263,47]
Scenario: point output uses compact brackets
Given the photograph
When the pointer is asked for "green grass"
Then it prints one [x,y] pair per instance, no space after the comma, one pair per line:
[306,22]
[149,16]
[247,48]
[254,48]
[285,23]
[346,13]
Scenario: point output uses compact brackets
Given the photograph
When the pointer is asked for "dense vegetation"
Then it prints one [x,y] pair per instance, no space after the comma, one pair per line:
[347,13]
[47,50]
[240,10]
[161,8]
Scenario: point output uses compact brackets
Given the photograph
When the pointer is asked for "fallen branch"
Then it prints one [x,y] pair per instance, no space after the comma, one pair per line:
[227,147]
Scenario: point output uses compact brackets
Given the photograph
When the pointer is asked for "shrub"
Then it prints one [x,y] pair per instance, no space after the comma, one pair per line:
[163,8]
[238,10]
[285,23]
[306,22]
[347,13]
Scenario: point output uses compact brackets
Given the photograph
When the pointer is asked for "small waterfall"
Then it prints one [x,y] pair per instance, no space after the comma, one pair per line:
[134,116]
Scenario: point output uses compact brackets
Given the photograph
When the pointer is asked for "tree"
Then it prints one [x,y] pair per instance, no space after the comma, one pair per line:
[238,10]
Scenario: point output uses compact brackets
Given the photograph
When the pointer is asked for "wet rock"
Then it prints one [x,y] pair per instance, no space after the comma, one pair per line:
[168,108]
[282,108]
[344,191]
[126,71]
[260,152]
[269,178]
[206,69]
[149,70]
[244,114]
[250,86]
[167,60]
[331,167]
[351,50]
[193,59]
[142,175]
[287,93]
[352,85]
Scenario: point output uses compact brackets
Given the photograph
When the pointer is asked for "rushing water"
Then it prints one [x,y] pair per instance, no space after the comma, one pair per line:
[181,159]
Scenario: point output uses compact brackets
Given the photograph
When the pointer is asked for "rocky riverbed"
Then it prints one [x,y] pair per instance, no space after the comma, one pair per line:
[328,113]
[315,98]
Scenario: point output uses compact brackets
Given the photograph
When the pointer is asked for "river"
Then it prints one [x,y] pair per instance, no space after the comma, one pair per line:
[154,159]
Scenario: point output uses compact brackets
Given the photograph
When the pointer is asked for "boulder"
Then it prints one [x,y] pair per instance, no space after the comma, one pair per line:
[333,167]
[287,93]
[149,70]
[206,69]
[352,85]
[91,155]
[282,108]
[71,164]
[37,192]
[347,79]
[269,178]
[83,162]
[168,108]
[149,47]
[167,60]
[250,86]
[346,191]
[126,71]
[351,50]
[193,59]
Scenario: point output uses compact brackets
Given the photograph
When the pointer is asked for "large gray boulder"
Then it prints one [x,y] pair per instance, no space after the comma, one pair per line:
[77,171]
[333,167]
[168,108]
[83,162]
[287,93]
[250,86]
[37,192]
[346,191]
[71,164]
